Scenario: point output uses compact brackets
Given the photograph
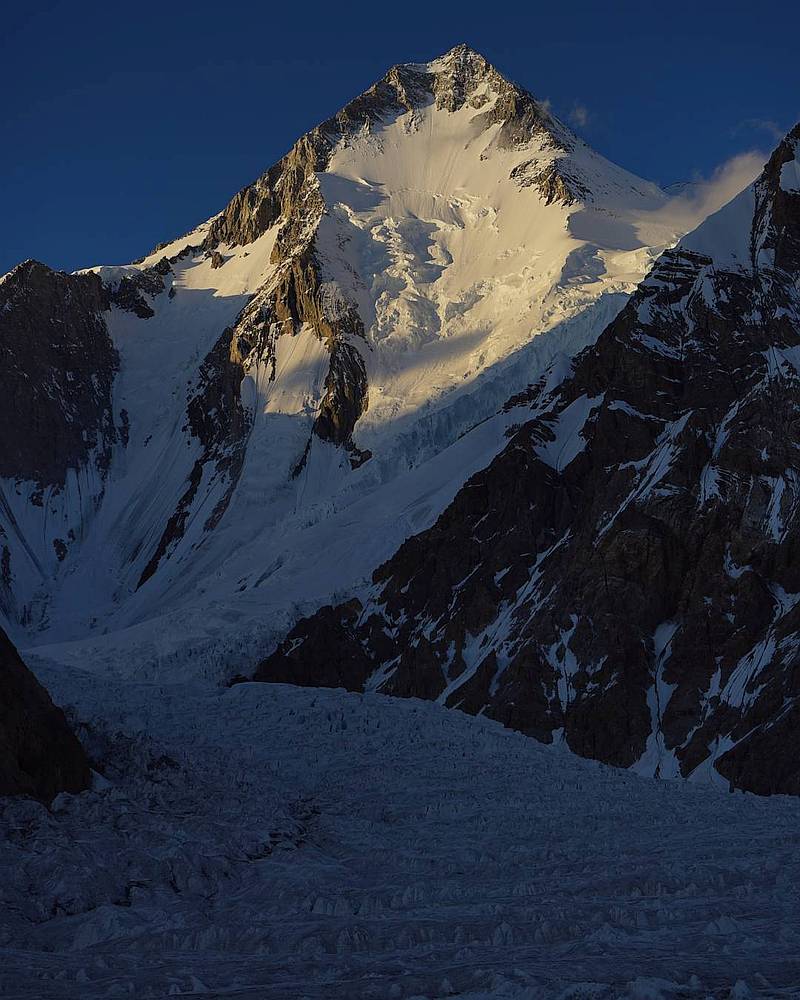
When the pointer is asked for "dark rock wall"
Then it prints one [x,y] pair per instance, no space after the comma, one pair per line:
[39,754]
[57,367]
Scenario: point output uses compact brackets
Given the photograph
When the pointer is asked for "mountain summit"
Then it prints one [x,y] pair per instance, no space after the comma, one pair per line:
[243,424]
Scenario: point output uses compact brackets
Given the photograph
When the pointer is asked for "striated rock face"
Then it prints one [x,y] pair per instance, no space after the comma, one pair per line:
[57,367]
[288,195]
[39,755]
[626,573]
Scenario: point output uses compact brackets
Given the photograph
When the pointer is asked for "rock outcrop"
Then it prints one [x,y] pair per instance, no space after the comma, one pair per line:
[57,367]
[39,754]
[626,574]
[130,291]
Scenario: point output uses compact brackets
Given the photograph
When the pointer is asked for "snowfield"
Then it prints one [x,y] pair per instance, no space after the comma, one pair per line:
[268,841]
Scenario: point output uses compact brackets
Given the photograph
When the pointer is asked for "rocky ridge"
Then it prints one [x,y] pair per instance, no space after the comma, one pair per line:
[624,575]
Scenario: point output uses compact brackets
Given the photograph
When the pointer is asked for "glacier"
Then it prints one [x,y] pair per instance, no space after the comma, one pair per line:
[266,840]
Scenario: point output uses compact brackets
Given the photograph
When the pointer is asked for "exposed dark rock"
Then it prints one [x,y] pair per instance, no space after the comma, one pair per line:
[57,367]
[162,267]
[555,182]
[345,396]
[358,456]
[339,655]
[765,761]
[626,572]
[219,421]
[129,292]
[124,427]
[128,297]
[39,754]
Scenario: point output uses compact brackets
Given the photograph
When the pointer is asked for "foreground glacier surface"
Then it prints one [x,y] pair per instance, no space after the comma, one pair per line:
[269,841]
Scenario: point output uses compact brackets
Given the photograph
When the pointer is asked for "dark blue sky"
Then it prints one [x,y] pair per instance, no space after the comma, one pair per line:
[126,125]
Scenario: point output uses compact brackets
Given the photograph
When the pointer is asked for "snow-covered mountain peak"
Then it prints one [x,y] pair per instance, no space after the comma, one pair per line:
[298,374]
[550,158]
[758,230]
[463,76]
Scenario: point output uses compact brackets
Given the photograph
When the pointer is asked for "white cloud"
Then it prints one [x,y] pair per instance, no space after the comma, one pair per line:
[776,131]
[579,115]
[704,196]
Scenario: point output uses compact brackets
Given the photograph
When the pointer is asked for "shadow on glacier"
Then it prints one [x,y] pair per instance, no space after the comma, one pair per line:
[419,436]
[406,443]
[360,196]
[604,230]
